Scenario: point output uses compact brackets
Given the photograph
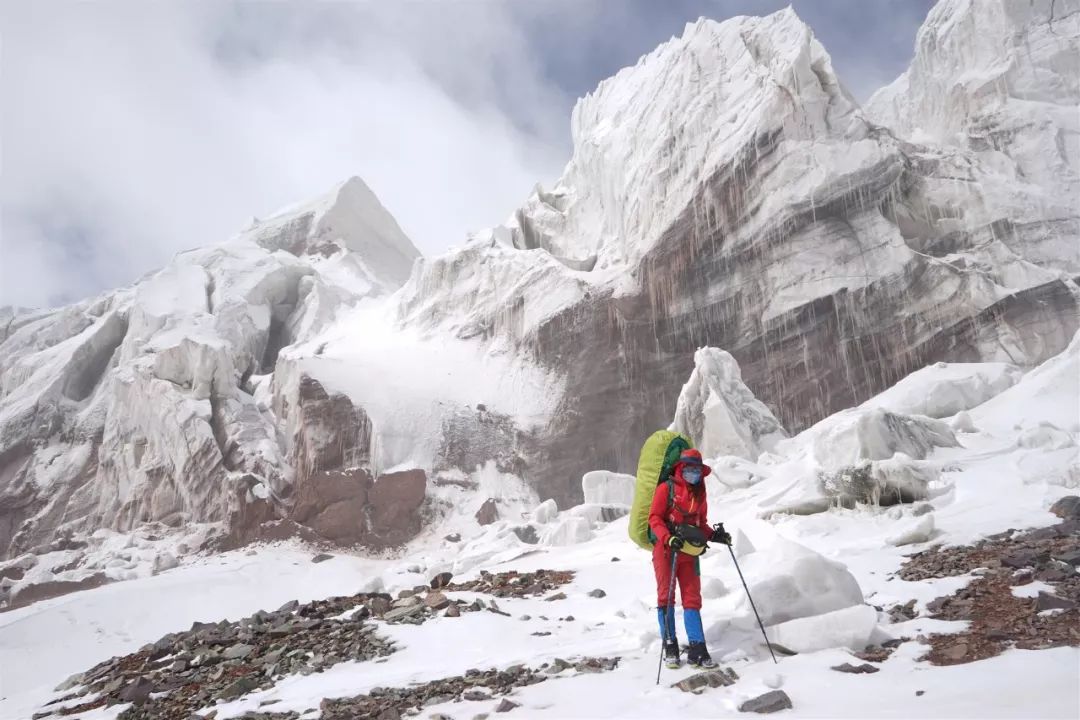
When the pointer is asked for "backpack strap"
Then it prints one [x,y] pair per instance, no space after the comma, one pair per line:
[670,504]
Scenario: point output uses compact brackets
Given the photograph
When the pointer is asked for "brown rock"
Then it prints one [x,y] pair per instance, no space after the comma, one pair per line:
[436,601]
[506,706]
[865,668]
[441,580]
[334,504]
[770,702]
[956,651]
[1069,557]
[1067,507]
[379,605]
[453,611]
[1046,601]
[12,572]
[721,677]
[395,504]
[138,691]
[488,512]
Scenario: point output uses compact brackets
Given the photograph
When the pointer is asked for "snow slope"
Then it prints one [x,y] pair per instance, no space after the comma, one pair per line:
[814,578]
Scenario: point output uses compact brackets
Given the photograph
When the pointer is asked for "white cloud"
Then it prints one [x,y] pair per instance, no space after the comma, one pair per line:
[133,131]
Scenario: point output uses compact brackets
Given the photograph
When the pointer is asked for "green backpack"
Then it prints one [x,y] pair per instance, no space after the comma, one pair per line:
[658,455]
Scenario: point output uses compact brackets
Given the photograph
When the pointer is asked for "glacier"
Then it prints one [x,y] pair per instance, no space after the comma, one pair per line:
[731,220]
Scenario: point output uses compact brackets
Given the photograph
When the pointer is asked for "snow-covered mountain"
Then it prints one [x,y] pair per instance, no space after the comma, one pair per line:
[948,606]
[727,191]
[156,403]
[312,376]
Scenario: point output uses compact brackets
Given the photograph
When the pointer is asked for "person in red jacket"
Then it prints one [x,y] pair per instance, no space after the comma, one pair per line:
[678,516]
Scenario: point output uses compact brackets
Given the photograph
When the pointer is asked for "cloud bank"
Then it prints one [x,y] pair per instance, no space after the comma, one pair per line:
[135,130]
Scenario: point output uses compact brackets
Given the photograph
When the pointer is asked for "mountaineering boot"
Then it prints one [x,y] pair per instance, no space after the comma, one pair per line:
[671,655]
[697,655]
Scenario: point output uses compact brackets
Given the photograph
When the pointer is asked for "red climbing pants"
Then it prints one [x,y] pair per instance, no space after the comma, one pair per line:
[686,572]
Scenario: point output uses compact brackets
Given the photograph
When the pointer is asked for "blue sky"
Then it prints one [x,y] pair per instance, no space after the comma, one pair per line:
[134,130]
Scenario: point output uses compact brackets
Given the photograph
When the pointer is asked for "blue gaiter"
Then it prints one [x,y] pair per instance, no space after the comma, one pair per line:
[661,615]
[694,631]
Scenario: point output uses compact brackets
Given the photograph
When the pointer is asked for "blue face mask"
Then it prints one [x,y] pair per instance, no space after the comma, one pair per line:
[692,475]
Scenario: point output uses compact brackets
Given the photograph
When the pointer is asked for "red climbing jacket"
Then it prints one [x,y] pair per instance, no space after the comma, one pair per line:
[674,503]
[677,502]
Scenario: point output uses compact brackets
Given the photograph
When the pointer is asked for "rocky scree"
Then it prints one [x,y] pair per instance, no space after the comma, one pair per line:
[474,685]
[997,618]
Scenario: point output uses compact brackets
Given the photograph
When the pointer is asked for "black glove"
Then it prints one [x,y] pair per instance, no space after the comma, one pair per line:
[675,542]
[720,535]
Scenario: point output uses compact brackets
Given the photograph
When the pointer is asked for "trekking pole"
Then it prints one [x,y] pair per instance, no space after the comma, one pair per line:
[752,605]
[669,613]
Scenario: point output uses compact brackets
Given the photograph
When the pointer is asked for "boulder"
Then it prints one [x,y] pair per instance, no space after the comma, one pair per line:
[400,613]
[1046,601]
[720,677]
[770,702]
[863,669]
[488,512]
[1067,507]
[526,534]
[506,706]
[436,601]
[379,605]
[137,691]
[240,687]
[441,580]
[238,652]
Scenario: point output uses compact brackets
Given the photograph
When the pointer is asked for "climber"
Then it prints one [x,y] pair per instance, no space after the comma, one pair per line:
[678,520]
